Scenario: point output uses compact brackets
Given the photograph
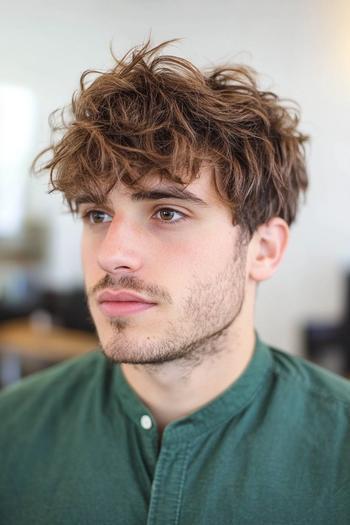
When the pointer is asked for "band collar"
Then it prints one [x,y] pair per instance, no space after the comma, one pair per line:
[227,405]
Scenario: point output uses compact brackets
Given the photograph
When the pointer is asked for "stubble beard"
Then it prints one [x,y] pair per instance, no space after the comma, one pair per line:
[207,313]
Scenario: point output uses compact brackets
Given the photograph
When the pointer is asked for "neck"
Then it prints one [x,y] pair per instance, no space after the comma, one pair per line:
[175,389]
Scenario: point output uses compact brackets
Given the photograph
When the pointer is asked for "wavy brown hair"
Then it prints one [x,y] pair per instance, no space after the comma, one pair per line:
[159,114]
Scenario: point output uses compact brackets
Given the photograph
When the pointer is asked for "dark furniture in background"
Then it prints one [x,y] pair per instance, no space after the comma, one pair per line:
[329,344]
[48,328]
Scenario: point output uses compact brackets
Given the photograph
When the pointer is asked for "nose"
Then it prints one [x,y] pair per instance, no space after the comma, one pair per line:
[120,249]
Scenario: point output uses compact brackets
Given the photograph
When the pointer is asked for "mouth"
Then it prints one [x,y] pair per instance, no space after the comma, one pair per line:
[115,304]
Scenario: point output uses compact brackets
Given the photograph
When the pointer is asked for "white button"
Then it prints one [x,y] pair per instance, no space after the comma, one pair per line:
[146,422]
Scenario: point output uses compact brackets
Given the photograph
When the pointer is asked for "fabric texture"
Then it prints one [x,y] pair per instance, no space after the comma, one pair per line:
[272,449]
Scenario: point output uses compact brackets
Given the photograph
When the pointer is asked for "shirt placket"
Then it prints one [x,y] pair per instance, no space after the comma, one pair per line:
[168,483]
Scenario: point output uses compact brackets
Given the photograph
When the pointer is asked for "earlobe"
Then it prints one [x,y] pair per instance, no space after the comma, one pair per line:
[268,246]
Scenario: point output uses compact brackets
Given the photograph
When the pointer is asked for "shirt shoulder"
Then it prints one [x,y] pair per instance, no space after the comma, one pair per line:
[310,412]
[47,393]
[310,380]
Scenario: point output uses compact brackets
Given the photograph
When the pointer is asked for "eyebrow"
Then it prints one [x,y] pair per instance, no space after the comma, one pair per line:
[151,195]
[168,193]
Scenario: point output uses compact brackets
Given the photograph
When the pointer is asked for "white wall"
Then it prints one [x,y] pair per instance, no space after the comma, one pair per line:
[301,47]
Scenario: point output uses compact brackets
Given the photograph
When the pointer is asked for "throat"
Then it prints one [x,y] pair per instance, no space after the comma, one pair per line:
[174,390]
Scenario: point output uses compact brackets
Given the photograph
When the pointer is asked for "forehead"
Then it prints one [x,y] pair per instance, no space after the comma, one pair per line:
[200,191]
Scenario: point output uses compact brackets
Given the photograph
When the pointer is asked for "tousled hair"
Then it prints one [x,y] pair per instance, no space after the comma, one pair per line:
[155,114]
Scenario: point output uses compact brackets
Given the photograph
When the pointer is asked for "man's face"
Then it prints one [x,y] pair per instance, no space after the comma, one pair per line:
[182,256]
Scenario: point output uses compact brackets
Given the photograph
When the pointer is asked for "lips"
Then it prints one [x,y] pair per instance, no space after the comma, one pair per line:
[113,303]
[110,296]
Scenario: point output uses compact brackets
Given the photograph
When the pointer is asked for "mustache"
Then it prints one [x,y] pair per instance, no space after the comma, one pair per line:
[129,283]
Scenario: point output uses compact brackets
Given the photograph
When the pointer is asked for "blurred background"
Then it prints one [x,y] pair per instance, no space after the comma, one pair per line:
[301,48]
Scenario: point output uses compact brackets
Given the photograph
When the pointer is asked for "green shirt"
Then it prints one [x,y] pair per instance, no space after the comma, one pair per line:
[78,447]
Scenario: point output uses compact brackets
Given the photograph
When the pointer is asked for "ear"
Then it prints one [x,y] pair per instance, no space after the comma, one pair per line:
[266,249]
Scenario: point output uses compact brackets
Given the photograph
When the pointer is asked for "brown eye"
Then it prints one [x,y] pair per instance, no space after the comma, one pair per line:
[98,217]
[167,215]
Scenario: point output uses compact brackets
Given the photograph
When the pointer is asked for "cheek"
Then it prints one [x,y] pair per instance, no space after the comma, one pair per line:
[183,254]
[213,255]
[88,252]
[195,257]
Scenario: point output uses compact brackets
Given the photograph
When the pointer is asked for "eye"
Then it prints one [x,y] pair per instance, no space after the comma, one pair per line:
[167,215]
[96,217]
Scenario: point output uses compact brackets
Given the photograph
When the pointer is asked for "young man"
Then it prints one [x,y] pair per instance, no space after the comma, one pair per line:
[186,183]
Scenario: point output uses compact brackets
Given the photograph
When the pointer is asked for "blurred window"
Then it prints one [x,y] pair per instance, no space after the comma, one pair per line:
[17,115]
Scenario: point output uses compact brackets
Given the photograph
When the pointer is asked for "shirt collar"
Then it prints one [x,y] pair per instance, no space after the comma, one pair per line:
[226,406]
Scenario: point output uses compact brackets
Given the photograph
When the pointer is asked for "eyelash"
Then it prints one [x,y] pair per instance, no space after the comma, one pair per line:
[183,216]
[88,215]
